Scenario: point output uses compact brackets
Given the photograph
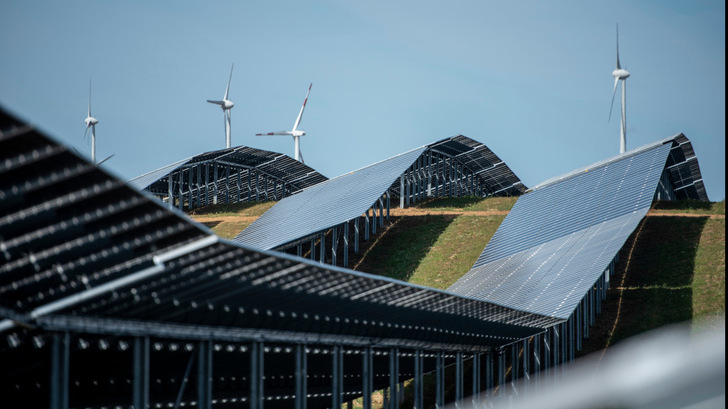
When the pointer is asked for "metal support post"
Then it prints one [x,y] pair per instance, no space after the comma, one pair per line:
[374,218]
[501,372]
[418,387]
[181,202]
[388,204]
[199,184]
[381,212]
[393,378]
[337,377]
[257,371]
[440,381]
[367,375]
[250,187]
[366,225]
[346,244]
[214,186]
[334,244]
[301,376]
[356,235]
[476,378]
[489,373]
[227,184]
[204,374]
[515,368]
[140,387]
[190,200]
[526,362]
[322,255]
[60,363]
[313,249]
[401,191]
[239,185]
[459,379]
[170,192]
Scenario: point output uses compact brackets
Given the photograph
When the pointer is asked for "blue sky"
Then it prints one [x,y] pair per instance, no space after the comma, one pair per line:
[530,79]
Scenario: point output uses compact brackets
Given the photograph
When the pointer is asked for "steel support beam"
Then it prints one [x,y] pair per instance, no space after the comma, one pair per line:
[337,377]
[418,387]
[393,378]
[60,368]
[257,373]
[301,377]
[140,382]
[204,374]
[440,381]
[367,377]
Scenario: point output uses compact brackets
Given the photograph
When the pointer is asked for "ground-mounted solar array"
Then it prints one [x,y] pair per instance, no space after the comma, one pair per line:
[240,174]
[355,204]
[109,298]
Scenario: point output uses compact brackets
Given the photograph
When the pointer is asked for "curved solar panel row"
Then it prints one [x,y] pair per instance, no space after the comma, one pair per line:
[561,236]
[348,196]
[231,171]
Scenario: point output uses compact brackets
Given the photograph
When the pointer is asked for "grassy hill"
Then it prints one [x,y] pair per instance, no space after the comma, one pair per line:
[671,270]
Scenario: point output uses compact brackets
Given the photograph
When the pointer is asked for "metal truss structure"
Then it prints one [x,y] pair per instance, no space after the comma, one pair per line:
[240,174]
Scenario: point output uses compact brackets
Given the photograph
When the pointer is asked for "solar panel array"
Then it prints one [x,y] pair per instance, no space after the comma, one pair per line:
[560,237]
[230,177]
[350,195]
[85,253]
[325,205]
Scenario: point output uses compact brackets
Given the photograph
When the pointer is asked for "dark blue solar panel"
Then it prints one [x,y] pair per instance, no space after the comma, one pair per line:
[558,239]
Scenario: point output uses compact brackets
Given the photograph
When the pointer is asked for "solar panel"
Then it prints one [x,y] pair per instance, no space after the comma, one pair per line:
[561,236]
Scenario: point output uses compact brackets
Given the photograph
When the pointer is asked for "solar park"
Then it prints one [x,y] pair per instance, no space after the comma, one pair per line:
[110,296]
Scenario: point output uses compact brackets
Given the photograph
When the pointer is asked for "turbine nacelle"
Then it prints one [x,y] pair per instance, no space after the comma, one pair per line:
[225,104]
[620,74]
[298,133]
[90,121]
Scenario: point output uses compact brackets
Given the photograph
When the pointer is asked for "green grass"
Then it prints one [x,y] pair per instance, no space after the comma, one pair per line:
[676,272]
[234,209]
[689,206]
[469,203]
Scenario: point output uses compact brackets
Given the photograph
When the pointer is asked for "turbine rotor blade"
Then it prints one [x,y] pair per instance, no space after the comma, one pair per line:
[227,89]
[85,134]
[274,133]
[300,113]
[611,106]
[105,159]
[215,102]
[89,97]
[618,66]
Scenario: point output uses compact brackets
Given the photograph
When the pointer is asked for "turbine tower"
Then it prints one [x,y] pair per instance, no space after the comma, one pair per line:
[620,73]
[91,123]
[226,105]
[295,132]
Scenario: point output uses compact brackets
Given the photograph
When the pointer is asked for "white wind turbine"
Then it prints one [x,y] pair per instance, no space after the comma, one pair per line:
[294,132]
[620,73]
[226,105]
[91,123]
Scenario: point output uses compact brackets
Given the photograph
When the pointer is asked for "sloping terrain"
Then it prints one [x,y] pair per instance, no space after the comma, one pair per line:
[671,270]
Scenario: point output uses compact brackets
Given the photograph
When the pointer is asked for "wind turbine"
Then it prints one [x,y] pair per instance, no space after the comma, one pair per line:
[91,123]
[620,73]
[294,132]
[226,105]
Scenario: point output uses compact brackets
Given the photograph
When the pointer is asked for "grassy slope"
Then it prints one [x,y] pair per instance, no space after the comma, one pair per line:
[675,273]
